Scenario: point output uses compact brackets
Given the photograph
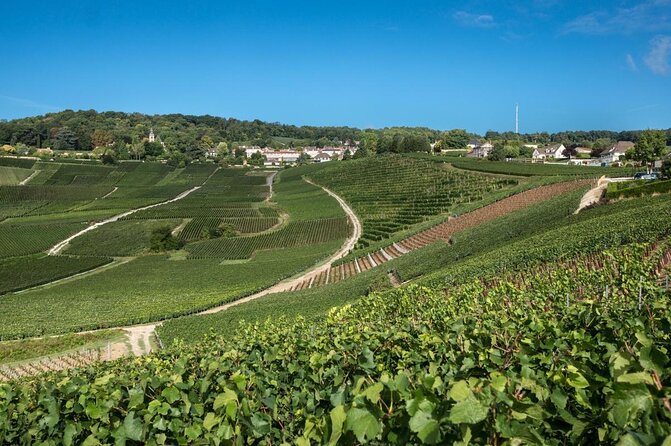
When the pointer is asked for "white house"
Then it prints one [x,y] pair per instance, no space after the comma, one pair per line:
[551,151]
[321,158]
[249,151]
[615,152]
[311,151]
[481,150]
[277,157]
[472,144]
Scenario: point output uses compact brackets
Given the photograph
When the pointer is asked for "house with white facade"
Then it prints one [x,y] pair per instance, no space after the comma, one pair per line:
[553,151]
[322,157]
[616,152]
[481,150]
[280,157]
[251,150]
[472,144]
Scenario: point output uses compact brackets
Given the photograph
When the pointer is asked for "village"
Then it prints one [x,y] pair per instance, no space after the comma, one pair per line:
[612,155]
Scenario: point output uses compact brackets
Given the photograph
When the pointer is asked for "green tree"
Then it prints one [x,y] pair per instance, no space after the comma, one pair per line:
[222,149]
[651,145]
[569,152]
[108,157]
[363,152]
[666,169]
[414,143]
[369,141]
[347,155]
[101,138]
[152,148]
[455,139]
[65,139]
[206,142]
[161,239]
[501,152]
[257,159]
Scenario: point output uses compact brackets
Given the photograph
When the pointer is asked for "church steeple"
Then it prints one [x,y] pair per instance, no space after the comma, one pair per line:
[152,137]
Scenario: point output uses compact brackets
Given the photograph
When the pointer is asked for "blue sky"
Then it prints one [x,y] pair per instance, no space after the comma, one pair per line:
[442,64]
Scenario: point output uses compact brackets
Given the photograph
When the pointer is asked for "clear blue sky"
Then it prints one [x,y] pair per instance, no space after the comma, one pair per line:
[442,64]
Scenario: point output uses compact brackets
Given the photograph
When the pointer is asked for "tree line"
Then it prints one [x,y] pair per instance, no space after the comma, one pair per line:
[182,138]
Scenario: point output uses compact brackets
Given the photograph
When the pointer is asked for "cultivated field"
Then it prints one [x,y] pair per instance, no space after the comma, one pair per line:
[118,277]
[478,307]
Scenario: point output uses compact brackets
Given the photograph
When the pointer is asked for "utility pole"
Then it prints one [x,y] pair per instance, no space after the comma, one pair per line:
[517,119]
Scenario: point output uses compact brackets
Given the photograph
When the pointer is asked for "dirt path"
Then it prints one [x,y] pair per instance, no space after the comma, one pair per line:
[24,182]
[309,275]
[111,192]
[185,221]
[139,337]
[595,194]
[269,182]
[58,247]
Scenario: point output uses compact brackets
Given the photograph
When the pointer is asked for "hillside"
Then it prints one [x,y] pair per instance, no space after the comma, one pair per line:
[477,307]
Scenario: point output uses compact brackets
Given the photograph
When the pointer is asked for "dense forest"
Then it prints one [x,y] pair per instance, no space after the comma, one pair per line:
[189,137]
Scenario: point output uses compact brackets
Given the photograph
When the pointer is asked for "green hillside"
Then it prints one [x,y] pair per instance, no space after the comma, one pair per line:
[526,323]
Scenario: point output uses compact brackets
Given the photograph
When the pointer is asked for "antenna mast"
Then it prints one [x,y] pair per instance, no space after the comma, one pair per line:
[517,119]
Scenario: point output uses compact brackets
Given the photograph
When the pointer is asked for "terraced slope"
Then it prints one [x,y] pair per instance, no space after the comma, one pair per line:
[393,193]
[442,231]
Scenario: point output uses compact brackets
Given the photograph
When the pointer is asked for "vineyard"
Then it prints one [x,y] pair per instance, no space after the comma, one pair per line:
[24,272]
[118,239]
[477,308]
[22,163]
[198,226]
[534,169]
[146,289]
[391,194]
[630,189]
[63,362]
[444,231]
[140,285]
[22,239]
[300,233]
[572,351]
[10,176]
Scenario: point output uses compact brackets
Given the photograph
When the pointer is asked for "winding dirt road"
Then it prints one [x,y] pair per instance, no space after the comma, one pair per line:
[58,247]
[288,284]
[144,332]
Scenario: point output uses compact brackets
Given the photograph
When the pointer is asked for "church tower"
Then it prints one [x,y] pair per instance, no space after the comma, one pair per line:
[152,137]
